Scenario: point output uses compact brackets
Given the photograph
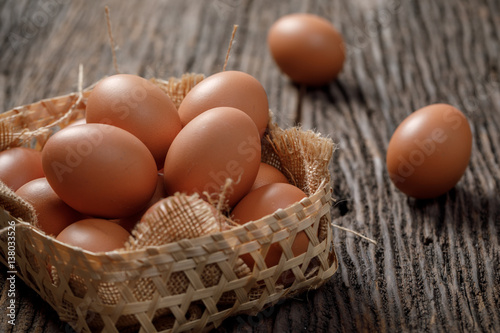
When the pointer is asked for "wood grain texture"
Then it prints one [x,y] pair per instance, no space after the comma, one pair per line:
[436,267]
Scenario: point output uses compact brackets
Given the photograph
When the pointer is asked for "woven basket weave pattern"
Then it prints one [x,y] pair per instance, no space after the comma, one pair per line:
[186,284]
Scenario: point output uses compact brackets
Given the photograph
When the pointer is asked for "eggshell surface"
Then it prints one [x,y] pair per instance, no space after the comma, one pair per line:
[307,48]
[262,202]
[100,170]
[52,213]
[95,235]
[231,89]
[268,175]
[429,151]
[137,106]
[20,165]
[220,143]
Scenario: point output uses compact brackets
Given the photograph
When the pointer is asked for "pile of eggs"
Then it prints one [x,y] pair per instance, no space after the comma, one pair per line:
[93,182]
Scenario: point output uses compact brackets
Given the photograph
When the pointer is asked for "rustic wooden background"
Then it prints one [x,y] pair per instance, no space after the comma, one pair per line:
[436,267]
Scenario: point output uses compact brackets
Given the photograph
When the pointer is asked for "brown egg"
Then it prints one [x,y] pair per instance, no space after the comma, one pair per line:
[265,201]
[268,175]
[220,143]
[137,106]
[307,48]
[20,165]
[52,213]
[95,235]
[100,170]
[232,88]
[429,151]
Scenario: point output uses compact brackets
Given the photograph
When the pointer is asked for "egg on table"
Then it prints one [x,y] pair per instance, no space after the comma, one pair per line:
[307,48]
[429,151]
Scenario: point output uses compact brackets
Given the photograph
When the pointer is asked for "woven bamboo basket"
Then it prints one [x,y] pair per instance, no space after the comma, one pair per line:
[187,285]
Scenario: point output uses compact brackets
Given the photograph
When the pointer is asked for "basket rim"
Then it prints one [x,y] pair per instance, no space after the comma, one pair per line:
[87,89]
[196,242]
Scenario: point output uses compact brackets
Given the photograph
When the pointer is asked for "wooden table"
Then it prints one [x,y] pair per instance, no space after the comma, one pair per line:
[436,266]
